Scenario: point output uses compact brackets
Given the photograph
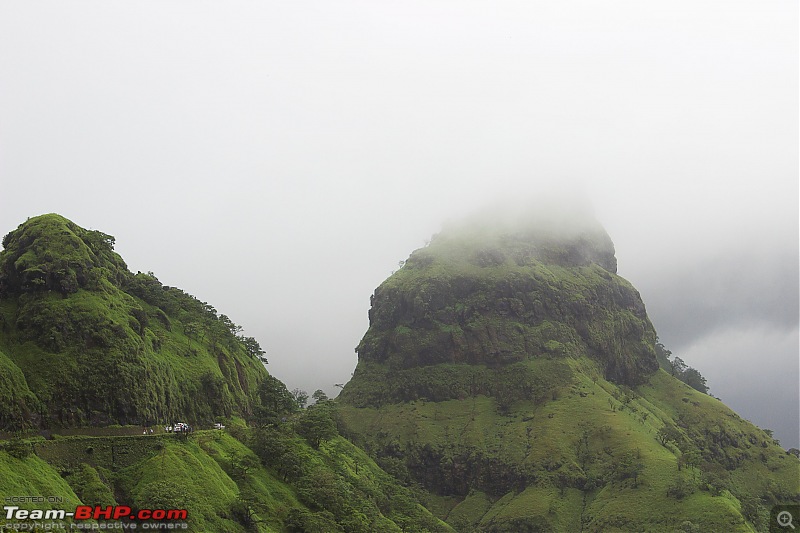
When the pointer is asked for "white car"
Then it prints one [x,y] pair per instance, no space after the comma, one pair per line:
[218,426]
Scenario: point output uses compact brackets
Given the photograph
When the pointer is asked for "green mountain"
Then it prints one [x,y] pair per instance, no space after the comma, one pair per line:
[85,341]
[91,350]
[514,375]
[509,381]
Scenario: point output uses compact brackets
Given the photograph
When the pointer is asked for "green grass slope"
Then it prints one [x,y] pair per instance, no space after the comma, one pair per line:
[589,457]
[86,343]
[224,484]
[510,372]
[24,474]
[21,408]
[98,345]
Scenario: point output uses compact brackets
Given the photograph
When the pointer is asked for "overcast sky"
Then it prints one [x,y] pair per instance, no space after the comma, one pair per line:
[277,159]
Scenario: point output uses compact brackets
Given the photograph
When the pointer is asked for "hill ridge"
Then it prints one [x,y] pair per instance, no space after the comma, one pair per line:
[515,376]
[97,344]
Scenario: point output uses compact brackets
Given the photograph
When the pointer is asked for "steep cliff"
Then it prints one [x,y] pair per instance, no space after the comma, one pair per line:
[483,300]
[509,370]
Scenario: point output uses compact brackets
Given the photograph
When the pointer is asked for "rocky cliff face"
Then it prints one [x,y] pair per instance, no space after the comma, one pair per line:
[497,296]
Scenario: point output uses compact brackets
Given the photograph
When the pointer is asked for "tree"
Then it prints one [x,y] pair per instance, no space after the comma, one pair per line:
[680,488]
[317,425]
[661,349]
[678,367]
[191,330]
[276,400]
[690,459]
[278,450]
[242,463]
[694,379]
[300,398]
[243,509]
[216,333]
[319,396]
[663,355]
[668,434]
[253,349]
[235,329]
[629,466]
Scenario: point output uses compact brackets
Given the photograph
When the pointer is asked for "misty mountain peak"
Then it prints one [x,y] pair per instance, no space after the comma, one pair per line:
[536,232]
[501,288]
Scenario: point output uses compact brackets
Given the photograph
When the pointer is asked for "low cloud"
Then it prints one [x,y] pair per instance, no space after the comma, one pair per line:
[756,373]
[739,290]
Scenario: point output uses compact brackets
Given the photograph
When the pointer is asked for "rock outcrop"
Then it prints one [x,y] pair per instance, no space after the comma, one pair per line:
[511,372]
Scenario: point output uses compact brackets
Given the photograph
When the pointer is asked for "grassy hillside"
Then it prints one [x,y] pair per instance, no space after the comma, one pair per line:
[510,381]
[589,456]
[24,474]
[21,408]
[511,373]
[86,342]
[224,484]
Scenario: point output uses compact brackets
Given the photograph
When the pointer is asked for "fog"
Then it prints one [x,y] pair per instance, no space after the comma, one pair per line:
[278,159]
